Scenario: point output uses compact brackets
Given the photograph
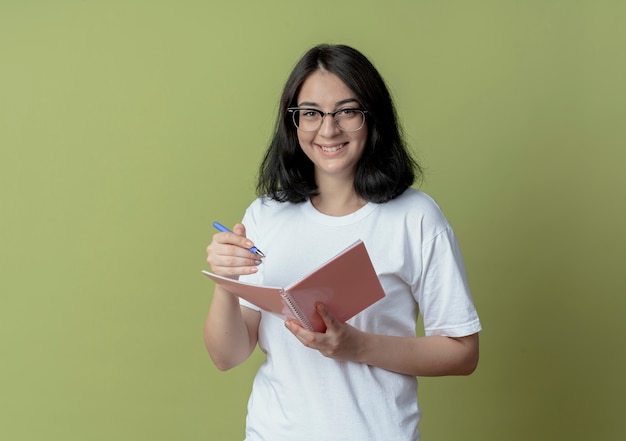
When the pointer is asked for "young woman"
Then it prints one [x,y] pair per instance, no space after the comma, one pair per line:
[337,170]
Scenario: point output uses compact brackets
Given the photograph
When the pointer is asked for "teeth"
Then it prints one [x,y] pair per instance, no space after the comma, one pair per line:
[333,148]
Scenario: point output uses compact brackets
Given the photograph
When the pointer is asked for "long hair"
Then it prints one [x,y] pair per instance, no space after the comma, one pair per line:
[386,168]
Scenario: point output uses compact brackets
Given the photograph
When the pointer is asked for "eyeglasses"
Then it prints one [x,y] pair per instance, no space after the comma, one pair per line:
[309,120]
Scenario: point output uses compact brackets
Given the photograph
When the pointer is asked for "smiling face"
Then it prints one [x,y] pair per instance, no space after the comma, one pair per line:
[334,153]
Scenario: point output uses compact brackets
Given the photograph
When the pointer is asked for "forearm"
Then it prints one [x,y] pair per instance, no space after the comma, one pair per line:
[229,339]
[416,356]
[421,356]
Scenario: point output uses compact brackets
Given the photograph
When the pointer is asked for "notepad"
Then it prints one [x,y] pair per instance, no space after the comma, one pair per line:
[346,284]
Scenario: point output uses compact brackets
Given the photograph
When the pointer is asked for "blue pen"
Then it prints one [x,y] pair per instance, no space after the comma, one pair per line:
[223,229]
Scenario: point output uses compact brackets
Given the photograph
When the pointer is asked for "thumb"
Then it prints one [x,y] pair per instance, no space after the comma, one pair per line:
[329,320]
[239,230]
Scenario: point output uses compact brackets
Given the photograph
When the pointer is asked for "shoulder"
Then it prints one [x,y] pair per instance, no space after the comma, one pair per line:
[266,203]
[416,213]
[415,202]
[264,208]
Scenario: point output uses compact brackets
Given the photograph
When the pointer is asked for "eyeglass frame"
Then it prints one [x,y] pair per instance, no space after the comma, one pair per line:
[293,111]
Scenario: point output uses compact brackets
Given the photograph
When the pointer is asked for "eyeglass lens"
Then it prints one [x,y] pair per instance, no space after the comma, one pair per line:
[348,120]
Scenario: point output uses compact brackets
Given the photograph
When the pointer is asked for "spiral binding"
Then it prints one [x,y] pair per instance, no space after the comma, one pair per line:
[295,309]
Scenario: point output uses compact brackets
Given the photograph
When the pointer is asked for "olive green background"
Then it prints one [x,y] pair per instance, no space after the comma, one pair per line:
[127,127]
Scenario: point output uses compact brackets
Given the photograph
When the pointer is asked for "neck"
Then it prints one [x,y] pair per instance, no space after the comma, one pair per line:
[337,200]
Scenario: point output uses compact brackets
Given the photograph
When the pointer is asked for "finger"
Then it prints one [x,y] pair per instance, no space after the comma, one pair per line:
[221,246]
[329,320]
[231,256]
[230,266]
[306,337]
[227,249]
[292,325]
[236,238]
[233,239]
[240,230]
[233,271]
[228,259]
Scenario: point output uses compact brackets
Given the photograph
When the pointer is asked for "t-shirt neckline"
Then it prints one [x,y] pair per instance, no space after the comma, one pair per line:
[337,221]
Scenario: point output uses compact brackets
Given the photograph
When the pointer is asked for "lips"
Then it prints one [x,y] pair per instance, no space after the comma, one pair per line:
[332,148]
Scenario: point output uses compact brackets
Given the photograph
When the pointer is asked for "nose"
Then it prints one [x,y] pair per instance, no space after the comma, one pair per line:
[329,127]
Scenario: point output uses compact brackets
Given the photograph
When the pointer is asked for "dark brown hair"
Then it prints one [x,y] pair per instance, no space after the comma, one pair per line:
[386,168]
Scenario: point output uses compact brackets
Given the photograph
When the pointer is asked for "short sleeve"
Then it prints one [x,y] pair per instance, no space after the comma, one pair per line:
[443,292]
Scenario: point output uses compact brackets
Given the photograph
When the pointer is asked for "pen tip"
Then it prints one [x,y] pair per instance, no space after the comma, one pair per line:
[260,253]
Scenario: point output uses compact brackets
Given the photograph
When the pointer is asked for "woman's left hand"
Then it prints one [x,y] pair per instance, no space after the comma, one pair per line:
[340,341]
[431,356]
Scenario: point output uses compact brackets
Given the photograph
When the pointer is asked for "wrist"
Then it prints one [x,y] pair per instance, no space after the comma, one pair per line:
[365,347]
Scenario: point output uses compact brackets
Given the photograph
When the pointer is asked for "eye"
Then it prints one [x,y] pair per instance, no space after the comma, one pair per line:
[309,114]
[348,113]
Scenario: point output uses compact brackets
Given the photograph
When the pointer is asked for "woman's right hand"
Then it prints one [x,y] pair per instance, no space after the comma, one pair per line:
[228,254]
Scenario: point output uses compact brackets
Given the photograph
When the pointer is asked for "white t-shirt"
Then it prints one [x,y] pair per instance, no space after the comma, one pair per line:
[298,394]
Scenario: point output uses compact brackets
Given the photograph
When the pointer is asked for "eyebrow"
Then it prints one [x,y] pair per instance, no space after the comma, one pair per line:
[337,104]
